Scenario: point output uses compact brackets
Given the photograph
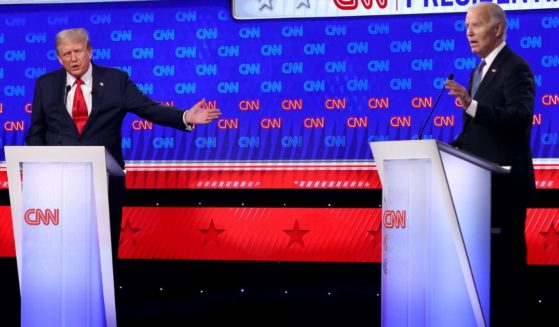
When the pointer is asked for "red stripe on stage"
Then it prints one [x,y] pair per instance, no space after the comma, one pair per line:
[270,234]
[276,176]
[7,245]
[279,177]
[338,178]
[542,236]
[3,178]
[546,178]
[262,234]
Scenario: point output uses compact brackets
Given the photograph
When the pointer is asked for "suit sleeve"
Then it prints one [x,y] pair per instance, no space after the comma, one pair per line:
[457,142]
[138,103]
[517,109]
[36,135]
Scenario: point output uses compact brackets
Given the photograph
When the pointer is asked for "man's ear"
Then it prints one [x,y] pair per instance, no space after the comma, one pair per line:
[499,29]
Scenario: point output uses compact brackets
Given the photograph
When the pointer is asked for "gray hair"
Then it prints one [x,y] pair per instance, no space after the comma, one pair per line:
[495,12]
[73,34]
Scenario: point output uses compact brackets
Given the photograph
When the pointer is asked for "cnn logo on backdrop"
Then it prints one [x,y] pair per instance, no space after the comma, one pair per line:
[38,216]
[353,4]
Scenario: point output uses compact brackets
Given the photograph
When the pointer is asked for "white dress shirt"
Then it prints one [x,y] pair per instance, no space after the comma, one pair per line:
[87,86]
[472,109]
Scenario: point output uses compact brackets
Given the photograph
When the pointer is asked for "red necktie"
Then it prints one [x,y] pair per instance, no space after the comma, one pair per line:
[79,108]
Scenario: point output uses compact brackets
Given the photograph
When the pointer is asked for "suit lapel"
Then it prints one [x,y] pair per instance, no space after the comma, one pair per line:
[97,89]
[61,85]
[492,72]
[66,118]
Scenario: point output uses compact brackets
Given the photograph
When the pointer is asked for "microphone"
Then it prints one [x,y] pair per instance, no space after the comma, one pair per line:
[66,91]
[420,136]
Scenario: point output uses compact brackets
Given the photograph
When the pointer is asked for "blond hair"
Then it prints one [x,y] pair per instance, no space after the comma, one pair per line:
[73,34]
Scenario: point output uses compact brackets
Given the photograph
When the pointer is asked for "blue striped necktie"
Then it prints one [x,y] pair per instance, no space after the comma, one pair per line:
[477,77]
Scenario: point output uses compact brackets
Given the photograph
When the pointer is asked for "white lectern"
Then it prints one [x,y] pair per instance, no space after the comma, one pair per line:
[436,235]
[60,212]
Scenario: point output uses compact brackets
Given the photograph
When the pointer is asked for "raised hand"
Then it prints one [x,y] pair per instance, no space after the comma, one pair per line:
[199,115]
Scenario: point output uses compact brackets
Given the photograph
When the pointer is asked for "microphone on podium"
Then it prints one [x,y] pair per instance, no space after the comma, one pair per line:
[420,135]
[66,91]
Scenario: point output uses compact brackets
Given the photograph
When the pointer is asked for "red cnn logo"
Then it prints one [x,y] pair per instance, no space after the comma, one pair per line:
[36,216]
[28,108]
[352,4]
[394,219]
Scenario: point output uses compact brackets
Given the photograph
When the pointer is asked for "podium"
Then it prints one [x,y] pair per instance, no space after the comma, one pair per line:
[60,212]
[436,234]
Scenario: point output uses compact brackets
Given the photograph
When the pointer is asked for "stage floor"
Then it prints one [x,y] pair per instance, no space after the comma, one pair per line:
[171,293]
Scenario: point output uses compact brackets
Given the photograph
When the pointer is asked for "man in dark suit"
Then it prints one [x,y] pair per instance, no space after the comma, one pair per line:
[85,104]
[499,106]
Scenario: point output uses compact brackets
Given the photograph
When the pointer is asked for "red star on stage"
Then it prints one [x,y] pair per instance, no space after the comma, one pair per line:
[551,236]
[211,234]
[296,235]
[374,232]
[128,232]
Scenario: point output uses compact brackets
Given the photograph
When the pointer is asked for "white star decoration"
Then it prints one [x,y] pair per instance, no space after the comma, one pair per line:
[265,3]
[303,3]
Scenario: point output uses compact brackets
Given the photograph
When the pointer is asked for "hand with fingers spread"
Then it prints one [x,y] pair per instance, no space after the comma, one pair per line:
[458,91]
[199,115]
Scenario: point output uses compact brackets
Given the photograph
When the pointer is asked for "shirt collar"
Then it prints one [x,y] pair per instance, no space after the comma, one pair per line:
[86,78]
[493,54]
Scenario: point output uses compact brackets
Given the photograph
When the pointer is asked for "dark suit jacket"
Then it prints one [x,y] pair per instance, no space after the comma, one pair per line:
[500,131]
[113,95]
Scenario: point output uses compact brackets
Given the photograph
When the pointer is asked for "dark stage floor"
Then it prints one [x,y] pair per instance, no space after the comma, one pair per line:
[177,293]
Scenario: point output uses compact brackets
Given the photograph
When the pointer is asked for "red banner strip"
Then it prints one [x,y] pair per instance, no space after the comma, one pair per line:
[274,234]
[275,177]
[262,234]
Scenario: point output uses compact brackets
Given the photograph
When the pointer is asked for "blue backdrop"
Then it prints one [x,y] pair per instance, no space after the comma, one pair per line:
[290,89]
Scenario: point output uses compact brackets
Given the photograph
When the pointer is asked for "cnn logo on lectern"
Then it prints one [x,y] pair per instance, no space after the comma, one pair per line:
[394,219]
[38,216]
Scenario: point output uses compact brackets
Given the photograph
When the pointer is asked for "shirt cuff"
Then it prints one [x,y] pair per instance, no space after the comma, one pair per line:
[472,109]
[187,126]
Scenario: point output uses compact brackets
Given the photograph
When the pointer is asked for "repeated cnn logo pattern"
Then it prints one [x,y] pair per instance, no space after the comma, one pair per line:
[298,89]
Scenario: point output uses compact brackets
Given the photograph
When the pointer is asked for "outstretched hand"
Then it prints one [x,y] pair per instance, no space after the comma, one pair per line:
[459,92]
[199,115]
